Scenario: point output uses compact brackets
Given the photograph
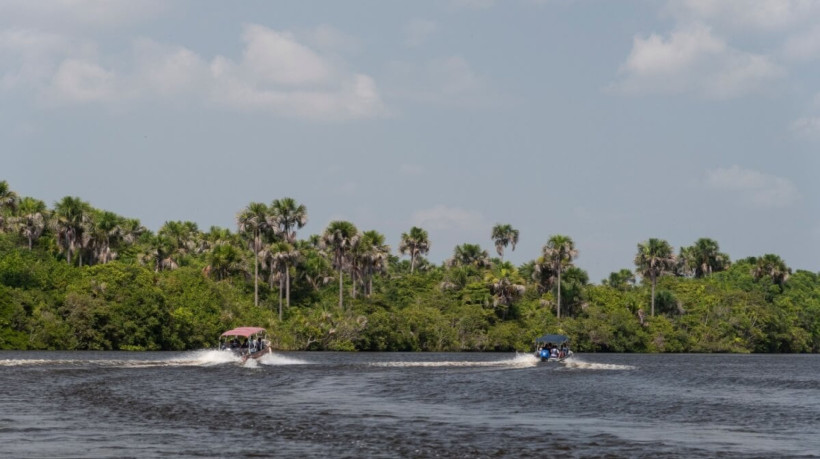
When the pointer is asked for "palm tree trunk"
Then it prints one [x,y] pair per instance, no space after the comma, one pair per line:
[653,296]
[255,271]
[287,286]
[559,293]
[412,261]
[341,305]
[281,281]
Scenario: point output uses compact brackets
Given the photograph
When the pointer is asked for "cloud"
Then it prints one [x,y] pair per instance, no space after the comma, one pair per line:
[442,217]
[275,73]
[82,81]
[756,188]
[329,39]
[29,58]
[757,14]
[807,127]
[803,46]
[417,31]
[692,59]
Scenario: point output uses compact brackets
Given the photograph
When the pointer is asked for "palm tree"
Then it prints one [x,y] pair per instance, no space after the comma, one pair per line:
[159,249]
[70,214]
[223,260]
[703,258]
[316,269]
[101,231]
[469,255]
[559,253]
[132,229]
[373,254]
[655,258]
[506,287]
[543,274]
[772,266]
[253,221]
[286,216]
[184,237]
[280,256]
[504,235]
[621,280]
[415,242]
[8,203]
[340,237]
[32,220]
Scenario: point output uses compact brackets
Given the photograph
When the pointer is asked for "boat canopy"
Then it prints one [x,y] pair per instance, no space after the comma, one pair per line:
[244,331]
[554,339]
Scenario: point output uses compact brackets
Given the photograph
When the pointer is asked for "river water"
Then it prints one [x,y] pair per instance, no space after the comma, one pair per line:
[208,404]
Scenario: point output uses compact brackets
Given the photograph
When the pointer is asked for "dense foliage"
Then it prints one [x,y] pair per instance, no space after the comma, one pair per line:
[75,277]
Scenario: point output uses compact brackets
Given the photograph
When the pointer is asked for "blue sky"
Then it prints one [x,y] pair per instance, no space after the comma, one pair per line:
[611,122]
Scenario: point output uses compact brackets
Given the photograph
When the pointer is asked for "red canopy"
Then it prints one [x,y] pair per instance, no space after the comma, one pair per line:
[243,331]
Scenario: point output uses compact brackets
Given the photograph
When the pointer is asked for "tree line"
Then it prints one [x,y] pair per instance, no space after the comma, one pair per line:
[76,277]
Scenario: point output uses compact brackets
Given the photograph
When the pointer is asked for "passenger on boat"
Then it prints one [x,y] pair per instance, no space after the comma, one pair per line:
[259,344]
[554,352]
[564,351]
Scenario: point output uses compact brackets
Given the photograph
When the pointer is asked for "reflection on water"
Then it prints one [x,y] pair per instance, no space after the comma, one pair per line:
[209,403]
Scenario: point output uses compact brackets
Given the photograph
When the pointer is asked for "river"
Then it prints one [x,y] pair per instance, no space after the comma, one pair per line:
[299,404]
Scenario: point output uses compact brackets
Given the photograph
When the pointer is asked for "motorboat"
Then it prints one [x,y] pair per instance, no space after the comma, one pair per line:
[246,342]
[552,348]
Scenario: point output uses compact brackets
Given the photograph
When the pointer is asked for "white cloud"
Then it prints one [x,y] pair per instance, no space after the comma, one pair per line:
[29,58]
[330,39]
[277,58]
[275,73]
[757,14]
[807,127]
[803,46]
[169,70]
[82,81]
[442,217]
[692,59]
[417,31]
[756,188]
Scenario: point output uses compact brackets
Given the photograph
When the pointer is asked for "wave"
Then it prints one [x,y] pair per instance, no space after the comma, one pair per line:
[519,361]
[577,363]
[277,359]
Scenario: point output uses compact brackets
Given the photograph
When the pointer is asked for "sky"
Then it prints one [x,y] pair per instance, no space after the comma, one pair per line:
[609,122]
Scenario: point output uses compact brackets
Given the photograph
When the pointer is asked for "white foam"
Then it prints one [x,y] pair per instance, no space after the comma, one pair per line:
[575,362]
[277,359]
[205,357]
[519,361]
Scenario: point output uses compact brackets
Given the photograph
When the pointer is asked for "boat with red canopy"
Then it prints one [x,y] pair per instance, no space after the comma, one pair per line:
[246,342]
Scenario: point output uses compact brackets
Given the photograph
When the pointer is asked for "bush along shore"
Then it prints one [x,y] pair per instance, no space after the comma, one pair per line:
[73,277]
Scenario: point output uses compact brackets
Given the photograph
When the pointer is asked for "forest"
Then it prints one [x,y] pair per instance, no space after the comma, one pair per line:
[74,277]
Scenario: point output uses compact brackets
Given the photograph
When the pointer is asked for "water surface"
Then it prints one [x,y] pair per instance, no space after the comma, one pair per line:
[207,403]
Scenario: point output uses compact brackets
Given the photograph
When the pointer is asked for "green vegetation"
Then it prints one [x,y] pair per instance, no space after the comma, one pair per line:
[76,277]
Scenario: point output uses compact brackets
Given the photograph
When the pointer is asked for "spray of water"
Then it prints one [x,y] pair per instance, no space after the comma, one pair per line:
[519,361]
[276,359]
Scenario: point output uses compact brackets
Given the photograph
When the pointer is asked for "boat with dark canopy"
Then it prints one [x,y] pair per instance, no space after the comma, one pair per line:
[246,342]
[552,348]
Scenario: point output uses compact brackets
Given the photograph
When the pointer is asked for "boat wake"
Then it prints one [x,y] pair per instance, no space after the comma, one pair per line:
[277,359]
[519,361]
[576,363]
